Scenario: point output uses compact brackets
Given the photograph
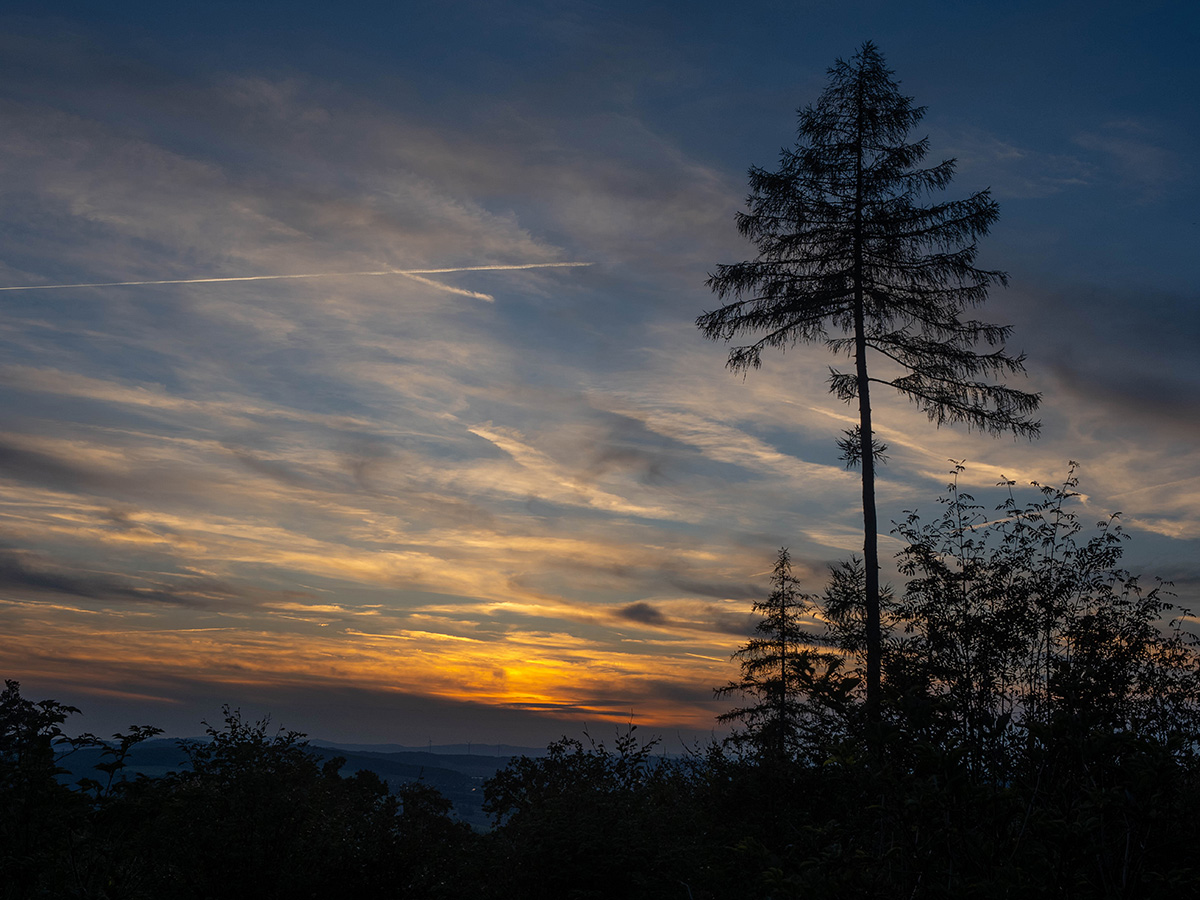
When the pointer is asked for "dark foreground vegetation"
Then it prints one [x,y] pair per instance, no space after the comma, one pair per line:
[1037,737]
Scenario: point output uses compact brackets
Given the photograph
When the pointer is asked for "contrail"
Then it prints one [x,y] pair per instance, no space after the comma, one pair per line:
[453,290]
[412,273]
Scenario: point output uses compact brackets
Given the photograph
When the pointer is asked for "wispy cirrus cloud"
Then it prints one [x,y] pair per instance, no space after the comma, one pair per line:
[1011,170]
[246,463]
[1136,155]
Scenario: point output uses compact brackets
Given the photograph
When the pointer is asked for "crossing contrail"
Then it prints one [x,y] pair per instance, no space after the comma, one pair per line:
[415,274]
[463,292]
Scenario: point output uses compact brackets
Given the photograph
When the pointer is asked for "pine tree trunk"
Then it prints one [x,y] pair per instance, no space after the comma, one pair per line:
[870,529]
[865,432]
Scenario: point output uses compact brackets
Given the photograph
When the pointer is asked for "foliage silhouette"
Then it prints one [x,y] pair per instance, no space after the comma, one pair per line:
[583,807]
[37,813]
[254,815]
[848,257]
[282,823]
[1038,723]
[1020,623]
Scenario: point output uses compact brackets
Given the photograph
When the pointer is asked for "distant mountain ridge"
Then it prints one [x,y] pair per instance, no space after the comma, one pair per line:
[468,749]
[457,774]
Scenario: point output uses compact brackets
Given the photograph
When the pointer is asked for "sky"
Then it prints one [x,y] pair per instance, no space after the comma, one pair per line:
[502,498]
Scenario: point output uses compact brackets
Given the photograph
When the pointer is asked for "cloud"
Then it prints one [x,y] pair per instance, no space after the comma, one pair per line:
[642,613]
[81,170]
[1166,402]
[31,465]
[723,589]
[1010,170]
[25,573]
[1128,153]
[542,477]
[1135,155]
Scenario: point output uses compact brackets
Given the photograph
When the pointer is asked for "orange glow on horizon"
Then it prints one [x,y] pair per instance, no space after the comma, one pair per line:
[554,674]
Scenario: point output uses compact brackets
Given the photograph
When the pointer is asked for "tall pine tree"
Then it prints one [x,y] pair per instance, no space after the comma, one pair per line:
[848,257]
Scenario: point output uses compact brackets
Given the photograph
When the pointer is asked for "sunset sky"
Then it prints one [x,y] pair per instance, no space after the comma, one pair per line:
[497,503]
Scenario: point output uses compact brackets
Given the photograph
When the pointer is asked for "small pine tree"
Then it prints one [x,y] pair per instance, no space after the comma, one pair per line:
[781,671]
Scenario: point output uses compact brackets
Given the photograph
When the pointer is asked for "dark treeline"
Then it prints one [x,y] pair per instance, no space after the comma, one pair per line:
[1036,736]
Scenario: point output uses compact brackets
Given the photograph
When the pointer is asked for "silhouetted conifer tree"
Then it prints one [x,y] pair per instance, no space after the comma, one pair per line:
[848,257]
[781,671]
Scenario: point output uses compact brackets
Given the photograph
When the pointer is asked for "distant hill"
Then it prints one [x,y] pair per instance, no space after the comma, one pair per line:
[490,750]
[458,775]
